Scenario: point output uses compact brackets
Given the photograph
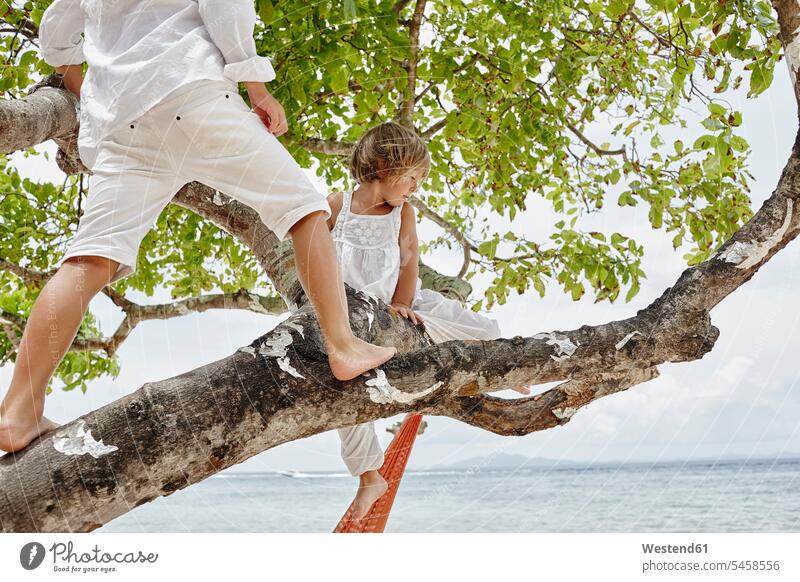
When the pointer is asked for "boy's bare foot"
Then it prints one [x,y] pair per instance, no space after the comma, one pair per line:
[357,357]
[16,435]
[371,487]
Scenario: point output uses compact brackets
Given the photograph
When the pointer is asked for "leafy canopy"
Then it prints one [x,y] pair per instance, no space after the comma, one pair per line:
[523,104]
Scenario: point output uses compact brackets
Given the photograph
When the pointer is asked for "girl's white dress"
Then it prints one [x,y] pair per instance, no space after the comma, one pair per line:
[368,249]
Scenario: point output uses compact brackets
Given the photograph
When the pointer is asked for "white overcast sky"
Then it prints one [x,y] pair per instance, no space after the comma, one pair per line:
[741,399]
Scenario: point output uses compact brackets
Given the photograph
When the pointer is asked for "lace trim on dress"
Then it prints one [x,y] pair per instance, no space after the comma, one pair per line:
[366,231]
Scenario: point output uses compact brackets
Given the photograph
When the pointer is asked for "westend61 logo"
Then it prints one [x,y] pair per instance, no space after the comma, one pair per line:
[65,559]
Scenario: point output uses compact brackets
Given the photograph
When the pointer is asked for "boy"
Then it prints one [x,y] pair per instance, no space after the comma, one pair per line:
[160,107]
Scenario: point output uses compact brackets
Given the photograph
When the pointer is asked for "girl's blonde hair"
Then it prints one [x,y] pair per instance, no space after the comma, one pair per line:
[403,153]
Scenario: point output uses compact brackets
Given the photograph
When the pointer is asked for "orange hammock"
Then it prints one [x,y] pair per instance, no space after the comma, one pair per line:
[394,464]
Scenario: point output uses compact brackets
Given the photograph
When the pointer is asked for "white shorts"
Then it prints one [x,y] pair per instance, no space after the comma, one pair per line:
[203,132]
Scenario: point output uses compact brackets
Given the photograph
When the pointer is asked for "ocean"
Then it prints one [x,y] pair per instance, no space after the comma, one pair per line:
[721,496]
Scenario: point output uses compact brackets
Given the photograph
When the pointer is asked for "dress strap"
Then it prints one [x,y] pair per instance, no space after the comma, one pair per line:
[397,219]
[342,217]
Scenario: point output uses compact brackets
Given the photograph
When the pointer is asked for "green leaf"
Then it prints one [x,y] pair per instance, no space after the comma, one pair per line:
[265,11]
[760,78]
[739,144]
[349,10]
[717,109]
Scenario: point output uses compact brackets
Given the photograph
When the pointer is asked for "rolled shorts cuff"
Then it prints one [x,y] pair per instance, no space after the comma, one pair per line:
[281,228]
[127,265]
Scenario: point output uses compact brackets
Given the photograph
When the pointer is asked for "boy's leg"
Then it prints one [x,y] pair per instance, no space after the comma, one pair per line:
[320,275]
[226,146]
[131,184]
[51,327]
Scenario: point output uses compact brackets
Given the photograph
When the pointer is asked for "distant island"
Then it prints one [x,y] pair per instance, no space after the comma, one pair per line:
[503,461]
[506,461]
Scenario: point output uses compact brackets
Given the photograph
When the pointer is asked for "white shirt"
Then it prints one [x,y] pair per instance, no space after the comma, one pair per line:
[139,52]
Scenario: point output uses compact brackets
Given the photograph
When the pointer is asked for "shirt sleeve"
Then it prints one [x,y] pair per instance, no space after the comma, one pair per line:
[230,24]
[60,40]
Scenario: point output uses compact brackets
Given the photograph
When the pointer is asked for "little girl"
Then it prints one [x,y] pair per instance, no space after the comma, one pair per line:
[374,232]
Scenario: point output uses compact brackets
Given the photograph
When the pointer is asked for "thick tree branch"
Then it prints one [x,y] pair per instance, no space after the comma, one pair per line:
[552,408]
[48,112]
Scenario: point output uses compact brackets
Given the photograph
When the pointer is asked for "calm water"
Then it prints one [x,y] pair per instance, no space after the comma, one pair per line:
[755,496]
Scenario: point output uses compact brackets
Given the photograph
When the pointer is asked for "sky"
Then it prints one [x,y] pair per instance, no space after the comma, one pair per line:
[741,399]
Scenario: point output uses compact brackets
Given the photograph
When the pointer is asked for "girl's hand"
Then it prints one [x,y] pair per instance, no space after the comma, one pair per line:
[406,312]
[268,109]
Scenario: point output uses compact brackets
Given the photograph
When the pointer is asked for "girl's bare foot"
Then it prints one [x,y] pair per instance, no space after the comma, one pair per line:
[16,435]
[371,487]
[357,357]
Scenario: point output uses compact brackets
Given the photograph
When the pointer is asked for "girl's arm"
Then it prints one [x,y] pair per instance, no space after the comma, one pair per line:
[409,265]
[335,200]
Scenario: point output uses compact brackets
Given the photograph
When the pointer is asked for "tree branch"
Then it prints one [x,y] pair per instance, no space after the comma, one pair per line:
[554,407]
[136,313]
[329,147]
[598,150]
[466,246]
[406,109]
[434,129]
[399,5]
[48,112]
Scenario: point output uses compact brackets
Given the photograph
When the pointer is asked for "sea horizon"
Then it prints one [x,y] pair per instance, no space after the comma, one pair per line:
[539,462]
[730,495]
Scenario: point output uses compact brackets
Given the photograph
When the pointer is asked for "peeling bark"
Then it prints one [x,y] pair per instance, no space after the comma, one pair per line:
[789,21]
